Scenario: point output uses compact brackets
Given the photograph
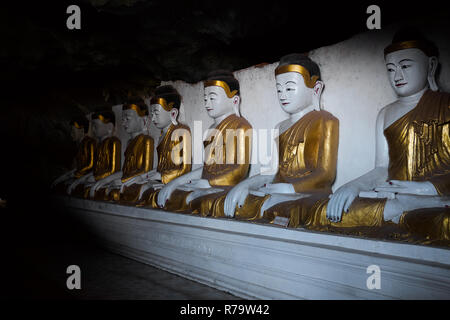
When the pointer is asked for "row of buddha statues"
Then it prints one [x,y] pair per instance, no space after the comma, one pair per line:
[405,196]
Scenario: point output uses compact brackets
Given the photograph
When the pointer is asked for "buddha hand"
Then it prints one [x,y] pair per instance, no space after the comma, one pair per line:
[236,196]
[273,188]
[424,188]
[165,193]
[340,201]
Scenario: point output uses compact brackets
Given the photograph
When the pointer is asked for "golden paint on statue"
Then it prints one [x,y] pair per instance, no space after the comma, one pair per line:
[230,144]
[107,162]
[307,160]
[138,160]
[419,150]
[85,157]
[177,137]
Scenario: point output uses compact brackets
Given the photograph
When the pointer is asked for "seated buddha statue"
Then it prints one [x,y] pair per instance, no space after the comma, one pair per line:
[125,184]
[174,144]
[410,184]
[85,156]
[226,159]
[107,157]
[305,161]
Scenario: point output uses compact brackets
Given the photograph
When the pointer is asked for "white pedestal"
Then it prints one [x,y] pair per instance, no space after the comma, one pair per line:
[264,261]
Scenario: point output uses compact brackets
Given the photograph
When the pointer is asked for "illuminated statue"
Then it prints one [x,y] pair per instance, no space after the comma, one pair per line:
[107,159]
[85,157]
[308,142]
[227,151]
[174,144]
[410,184]
[126,185]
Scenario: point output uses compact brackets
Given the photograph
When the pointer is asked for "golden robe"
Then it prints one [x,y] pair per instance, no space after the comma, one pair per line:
[138,160]
[107,162]
[85,157]
[419,150]
[226,163]
[174,159]
[307,160]
[84,162]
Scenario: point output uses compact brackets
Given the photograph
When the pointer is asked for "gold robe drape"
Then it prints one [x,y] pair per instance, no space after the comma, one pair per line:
[226,163]
[307,160]
[107,162]
[84,162]
[85,157]
[175,146]
[419,150]
[138,160]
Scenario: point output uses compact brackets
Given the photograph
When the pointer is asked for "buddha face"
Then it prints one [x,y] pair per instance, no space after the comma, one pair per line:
[76,134]
[160,117]
[293,94]
[131,121]
[407,71]
[217,102]
[100,129]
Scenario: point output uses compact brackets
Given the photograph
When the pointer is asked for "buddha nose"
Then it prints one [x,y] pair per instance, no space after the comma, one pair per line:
[398,74]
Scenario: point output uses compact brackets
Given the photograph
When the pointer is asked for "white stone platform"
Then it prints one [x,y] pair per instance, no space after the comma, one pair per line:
[259,261]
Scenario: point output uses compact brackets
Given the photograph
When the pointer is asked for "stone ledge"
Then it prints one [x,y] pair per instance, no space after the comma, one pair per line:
[264,261]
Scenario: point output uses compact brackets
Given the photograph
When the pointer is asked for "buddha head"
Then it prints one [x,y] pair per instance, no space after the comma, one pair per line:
[79,128]
[165,106]
[298,83]
[221,94]
[133,116]
[103,124]
[411,63]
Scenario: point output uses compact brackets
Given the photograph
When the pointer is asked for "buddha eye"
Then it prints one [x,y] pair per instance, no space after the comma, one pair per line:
[390,70]
[406,66]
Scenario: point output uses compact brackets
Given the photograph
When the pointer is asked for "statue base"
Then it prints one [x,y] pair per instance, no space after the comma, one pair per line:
[257,261]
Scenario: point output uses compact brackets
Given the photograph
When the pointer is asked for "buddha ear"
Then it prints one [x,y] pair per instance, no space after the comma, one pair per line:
[236,102]
[432,67]
[173,116]
[317,94]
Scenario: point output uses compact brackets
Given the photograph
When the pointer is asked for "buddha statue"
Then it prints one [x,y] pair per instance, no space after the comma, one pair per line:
[85,156]
[305,161]
[174,144]
[107,158]
[125,184]
[227,146]
[410,184]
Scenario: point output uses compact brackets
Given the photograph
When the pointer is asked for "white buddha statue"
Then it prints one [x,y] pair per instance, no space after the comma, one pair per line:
[410,184]
[174,144]
[225,163]
[138,160]
[107,156]
[308,142]
[85,157]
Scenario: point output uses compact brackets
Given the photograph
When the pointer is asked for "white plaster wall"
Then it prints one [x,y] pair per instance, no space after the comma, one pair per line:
[356,88]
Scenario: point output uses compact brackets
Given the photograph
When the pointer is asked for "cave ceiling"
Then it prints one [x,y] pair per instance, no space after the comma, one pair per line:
[128,46]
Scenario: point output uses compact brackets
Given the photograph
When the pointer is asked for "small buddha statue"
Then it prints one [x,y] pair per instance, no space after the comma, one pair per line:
[126,183]
[85,156]
[410,184]
[174,144]
[227,151]
[107,158]
[308,142]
